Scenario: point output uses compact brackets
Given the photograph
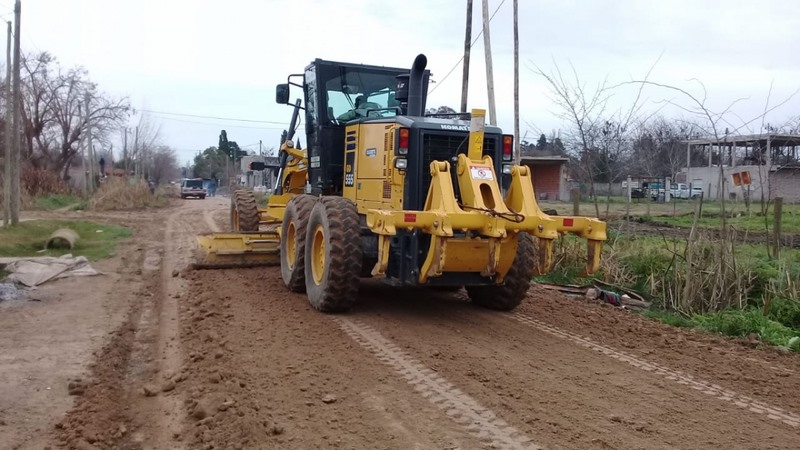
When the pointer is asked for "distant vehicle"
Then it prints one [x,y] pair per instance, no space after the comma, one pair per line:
[193,188]
[678,191]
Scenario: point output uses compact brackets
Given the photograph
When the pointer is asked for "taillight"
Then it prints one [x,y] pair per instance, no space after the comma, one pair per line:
[402,141]
[508,147]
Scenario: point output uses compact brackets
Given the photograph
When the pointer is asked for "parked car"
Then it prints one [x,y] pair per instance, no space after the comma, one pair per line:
[679,191]
[193,188]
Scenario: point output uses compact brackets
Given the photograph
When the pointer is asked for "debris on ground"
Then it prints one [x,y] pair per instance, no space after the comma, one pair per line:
[33,271]
[604,292]
[62,238]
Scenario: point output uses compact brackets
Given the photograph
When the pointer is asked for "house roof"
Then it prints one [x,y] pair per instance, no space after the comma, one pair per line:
[535,159]
[775,139]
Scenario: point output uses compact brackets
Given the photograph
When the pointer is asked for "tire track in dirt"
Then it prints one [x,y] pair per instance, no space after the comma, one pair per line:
[154,366]
[742,365]
[458,406]
[565,395]
[102,417]
[742,401]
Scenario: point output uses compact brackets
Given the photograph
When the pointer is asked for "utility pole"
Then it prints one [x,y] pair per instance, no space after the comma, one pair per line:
[90,149]
[15,143]
[136,152]
[260,152]
[487,47]
[7,159]
[517,143]
[125,150]
[467,47]
[83,155]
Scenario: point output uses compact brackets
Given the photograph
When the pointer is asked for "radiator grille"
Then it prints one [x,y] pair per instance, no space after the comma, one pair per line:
[445,147]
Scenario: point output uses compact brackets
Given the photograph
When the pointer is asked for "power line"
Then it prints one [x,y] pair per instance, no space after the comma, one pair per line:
[470,46]
[168,113]
[225,125]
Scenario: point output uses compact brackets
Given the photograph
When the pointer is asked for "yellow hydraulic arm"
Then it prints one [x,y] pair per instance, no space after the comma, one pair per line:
[487,223]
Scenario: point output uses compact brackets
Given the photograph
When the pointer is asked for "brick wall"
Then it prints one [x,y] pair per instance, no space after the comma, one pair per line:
[786,183]
[546,180]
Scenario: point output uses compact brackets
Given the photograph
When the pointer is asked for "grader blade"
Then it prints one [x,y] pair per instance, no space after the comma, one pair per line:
[242,249]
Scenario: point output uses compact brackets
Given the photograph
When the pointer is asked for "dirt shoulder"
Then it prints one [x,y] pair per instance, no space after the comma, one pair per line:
[49,342]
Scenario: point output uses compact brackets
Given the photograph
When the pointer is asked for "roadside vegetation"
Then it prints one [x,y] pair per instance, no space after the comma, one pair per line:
[699,281]
[55,202]
[96,241]
[118,193]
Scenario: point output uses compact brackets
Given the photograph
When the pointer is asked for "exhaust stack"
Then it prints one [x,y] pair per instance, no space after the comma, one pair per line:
[415,104]
[409,87]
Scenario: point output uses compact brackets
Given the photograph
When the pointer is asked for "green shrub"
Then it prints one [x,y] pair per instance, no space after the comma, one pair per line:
[785,311]
[744,323]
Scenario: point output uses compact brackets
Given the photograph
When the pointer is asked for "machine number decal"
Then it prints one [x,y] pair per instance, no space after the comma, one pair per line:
[314,162]
[481,173]
[371,152]
[349,175]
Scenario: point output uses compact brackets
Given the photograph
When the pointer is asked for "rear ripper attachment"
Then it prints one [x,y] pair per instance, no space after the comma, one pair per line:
[482,232]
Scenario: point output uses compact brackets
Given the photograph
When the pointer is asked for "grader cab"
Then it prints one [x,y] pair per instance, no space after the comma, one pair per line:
[383,190]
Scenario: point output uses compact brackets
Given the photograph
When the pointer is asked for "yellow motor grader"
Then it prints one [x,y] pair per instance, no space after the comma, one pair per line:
[384,190]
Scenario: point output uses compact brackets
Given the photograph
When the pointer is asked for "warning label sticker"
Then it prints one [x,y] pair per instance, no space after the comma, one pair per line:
[481,173]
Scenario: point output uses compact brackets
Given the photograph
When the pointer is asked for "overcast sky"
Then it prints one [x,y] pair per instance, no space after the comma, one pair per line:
[224,58]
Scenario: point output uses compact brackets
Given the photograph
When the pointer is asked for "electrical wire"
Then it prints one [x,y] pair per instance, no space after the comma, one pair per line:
[197,116]
[470,46]
[219,124]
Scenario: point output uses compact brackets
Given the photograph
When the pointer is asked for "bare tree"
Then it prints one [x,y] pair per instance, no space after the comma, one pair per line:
[163,164]
[584,111]
[603,138]
[53,116]
[658,146]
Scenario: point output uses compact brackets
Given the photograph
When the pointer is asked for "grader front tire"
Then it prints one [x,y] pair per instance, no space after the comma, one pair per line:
[293,241]
[244,211]
[333,255]
[510,294]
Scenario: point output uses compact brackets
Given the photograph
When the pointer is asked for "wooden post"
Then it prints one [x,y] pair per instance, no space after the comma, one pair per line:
[89,148]
[776,225]
[83,156]
[517,143]
[15,139]
[467,47]
[628,201]
[487,47]
[575,194]
[7,159]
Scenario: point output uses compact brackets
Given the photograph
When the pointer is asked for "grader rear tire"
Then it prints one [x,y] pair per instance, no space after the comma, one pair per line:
[510,294]
[244,211]
[333,255]
[293,241]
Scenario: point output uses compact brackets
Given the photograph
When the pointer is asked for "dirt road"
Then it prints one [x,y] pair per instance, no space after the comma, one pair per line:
[229,359]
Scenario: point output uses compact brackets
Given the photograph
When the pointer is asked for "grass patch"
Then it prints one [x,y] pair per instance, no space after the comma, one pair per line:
[744,323]
[56,201]
[97,241]
[668,318]
[735,323]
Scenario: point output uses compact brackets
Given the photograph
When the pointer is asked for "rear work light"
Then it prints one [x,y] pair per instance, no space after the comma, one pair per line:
[508,147]
[402,141]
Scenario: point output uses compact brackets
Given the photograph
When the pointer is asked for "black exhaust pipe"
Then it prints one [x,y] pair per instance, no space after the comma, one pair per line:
[415,94]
